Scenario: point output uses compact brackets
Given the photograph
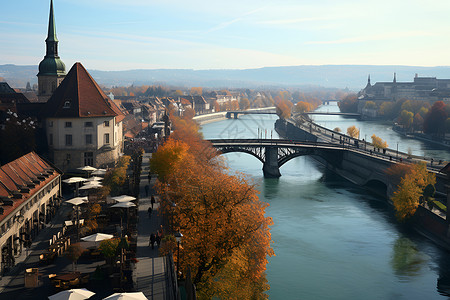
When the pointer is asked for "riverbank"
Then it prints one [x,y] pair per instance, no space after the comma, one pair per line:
[421,137]
[219,116]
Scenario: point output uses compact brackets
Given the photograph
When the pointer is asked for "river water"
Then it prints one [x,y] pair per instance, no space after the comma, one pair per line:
[332,239]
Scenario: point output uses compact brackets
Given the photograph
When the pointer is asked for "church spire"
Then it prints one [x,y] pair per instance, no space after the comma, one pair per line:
[395,77]
[368,80]
[51,69]
[51,36]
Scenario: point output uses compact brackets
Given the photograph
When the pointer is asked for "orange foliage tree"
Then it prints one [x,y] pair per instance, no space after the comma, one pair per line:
[226,235]
[283,107]
[378,142]
[353,131]
[407,196]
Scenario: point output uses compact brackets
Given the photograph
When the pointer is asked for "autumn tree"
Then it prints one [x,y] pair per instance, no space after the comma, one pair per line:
[353,132]
[216,106]
[73,253]
[406,119]
[418,122]
[188,113]
[337,129]
[226,235]
[196,91]
[349,104]
[283,107]
[302,107]
[407,196]
[244,104]
[434,121]
[378,142]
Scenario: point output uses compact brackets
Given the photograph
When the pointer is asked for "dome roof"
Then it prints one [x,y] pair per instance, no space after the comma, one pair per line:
[52,66]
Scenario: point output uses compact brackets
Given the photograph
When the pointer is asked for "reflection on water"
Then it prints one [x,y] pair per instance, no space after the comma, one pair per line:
[407,261]
[332,239]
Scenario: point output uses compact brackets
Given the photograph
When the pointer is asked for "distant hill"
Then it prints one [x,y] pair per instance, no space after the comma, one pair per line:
[353,77]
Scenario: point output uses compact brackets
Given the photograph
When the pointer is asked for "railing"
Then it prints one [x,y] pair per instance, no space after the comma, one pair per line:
[173,292]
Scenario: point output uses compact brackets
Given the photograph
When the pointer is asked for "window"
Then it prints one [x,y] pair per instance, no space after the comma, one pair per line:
[66,104]
[88,158]
[88,140]
[68,124]
[106,138]
[68,140]
[50,123]
[88,124]
[50,139]
[106,123]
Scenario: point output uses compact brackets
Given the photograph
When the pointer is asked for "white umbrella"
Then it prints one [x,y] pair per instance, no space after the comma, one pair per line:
[124,205]
[87,169]
[97,237]
[74,180]
[123,198]
[127,296]
[73,294]
[77,200]
[91,186]
[99,172]
[95,178]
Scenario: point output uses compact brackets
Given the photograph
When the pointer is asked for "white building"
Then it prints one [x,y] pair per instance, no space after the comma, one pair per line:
[83,125]
[30,192]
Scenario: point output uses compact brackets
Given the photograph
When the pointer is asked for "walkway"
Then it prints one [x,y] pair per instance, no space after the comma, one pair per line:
[150,271]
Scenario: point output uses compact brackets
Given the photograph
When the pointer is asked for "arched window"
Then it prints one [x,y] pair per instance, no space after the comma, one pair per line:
[66,104]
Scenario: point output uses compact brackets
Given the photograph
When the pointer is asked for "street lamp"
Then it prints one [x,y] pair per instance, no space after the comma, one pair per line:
[178,236]
[397,150]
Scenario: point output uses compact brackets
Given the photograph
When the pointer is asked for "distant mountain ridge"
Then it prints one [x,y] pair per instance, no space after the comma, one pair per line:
[353,77]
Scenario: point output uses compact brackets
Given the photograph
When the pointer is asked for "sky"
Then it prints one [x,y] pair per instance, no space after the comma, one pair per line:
[232,34]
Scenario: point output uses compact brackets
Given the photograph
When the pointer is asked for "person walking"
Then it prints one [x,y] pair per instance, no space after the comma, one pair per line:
[146,190]
[158,238]
[152,240]
[153,201]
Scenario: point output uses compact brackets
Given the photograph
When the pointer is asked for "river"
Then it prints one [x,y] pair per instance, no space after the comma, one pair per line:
[332,239]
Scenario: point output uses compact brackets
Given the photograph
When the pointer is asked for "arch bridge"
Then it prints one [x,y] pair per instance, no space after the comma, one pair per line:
[352,163]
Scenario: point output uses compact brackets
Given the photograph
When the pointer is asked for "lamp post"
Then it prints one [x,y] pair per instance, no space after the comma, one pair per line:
[397,150]
[178,237]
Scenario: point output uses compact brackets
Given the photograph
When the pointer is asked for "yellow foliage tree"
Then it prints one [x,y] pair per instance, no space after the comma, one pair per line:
[353,132]
[378,142]
[406,197]
[226,235]
[283,107]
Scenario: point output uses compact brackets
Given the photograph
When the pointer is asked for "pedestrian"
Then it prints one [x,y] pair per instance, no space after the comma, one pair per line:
[152,201]
[158,239]
[149,177]
[149,212]
[146,190]
[152,240]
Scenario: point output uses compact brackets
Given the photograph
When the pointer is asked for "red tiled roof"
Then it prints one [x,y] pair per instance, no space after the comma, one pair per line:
[21,172]
[86,99]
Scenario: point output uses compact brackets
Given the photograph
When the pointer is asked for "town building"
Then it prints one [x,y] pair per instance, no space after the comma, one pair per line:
[51,69]
[30,192]
[421,88]
[83,126]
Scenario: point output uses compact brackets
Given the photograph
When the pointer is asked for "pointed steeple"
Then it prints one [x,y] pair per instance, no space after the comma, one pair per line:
[52,64]
[51,69]
[51,36]
[368,85]
[395,77]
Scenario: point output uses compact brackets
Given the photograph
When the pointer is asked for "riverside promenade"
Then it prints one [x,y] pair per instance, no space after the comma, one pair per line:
[151,273]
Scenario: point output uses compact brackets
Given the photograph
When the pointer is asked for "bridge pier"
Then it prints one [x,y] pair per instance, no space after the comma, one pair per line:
[270,167]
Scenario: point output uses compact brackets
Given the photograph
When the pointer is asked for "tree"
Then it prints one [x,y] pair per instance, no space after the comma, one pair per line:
[196,91]
[418,122]
[434,121]
[302,107]
[337,129]
[349,104]
[406,119]
[244,104]
[109,249]
[283,107]
[378,142]
[407,196]
[178,93]
[188,113]
[216,106]
[353,132]
[370,105]
[73,253]
[226,235]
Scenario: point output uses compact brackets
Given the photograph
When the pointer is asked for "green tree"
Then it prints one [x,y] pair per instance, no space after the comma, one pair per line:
[406,119]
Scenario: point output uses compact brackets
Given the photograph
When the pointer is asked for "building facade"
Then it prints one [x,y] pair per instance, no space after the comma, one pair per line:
[30,192]
[83,126]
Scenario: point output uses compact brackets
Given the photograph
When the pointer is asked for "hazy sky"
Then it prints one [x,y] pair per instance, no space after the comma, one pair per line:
[211,34]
